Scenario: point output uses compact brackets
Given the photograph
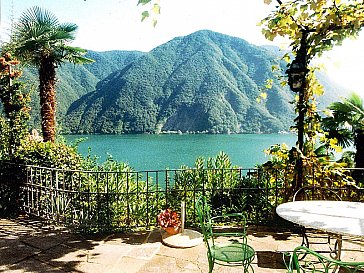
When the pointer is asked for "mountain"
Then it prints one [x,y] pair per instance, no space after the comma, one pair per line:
[203,82]
[74,81]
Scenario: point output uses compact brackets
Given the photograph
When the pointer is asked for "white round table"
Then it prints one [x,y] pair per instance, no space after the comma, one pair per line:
[340,217]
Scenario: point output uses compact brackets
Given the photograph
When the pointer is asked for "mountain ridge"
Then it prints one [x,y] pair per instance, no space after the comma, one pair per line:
[202,82]
[204,72]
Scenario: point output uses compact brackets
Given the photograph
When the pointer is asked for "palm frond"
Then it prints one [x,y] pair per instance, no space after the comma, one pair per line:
[68,27]
[72,54]
[60,36]
[321,151]
[344,137]
[336,128]
[35,17]
[43,16]
[38,30]
[64,32]
[79,60]
[356,103]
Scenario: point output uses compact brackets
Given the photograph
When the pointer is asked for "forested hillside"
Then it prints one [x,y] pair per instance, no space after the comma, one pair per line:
[203,82]
[74,81]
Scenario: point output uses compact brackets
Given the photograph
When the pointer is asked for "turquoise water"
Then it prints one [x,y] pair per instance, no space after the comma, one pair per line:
[157,152]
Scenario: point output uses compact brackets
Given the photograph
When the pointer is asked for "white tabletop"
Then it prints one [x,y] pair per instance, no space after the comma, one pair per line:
[340,217]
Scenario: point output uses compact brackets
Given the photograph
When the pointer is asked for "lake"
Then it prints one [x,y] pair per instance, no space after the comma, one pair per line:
[157,152]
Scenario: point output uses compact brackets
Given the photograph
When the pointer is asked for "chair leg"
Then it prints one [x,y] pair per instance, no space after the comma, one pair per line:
[211,267]
[211,263]
[305,241]
[336,252]
[248,265]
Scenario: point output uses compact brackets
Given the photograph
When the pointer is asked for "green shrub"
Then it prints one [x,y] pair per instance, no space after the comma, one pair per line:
[4,138]
[225,187]
[48,154]
[114,196]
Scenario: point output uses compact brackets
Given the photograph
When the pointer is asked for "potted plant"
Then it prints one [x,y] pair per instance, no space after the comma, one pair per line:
[169,220]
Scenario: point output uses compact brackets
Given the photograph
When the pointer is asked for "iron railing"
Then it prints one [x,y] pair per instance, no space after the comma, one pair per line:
[101,200]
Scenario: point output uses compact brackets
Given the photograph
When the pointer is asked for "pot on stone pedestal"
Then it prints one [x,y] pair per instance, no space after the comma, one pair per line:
[172,230]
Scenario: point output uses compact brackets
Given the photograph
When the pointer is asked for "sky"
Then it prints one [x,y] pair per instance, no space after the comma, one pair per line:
[116,25]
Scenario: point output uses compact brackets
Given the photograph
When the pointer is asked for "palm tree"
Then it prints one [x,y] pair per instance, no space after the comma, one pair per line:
[40,40]
[346,124]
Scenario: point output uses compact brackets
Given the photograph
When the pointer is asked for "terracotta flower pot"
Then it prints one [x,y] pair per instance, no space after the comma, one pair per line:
[172,230]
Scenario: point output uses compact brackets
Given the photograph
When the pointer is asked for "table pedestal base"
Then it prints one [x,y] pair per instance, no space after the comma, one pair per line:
[185,239]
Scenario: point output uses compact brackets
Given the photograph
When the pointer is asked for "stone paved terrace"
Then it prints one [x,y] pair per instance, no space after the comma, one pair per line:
[31,246]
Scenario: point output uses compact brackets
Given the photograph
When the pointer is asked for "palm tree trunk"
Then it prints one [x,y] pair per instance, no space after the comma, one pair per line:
[47,82]
[358,175]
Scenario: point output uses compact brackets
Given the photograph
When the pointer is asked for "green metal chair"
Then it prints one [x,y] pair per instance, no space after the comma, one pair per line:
[315,262]
[234,252]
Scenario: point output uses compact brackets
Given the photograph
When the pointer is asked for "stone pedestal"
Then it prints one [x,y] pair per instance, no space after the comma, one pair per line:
[185,239]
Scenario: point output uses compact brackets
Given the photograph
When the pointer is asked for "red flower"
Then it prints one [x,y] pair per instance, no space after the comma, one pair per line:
[168,218]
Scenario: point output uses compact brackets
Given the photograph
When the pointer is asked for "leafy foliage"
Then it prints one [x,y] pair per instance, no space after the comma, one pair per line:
[345,119]
[227,189]
[15,105]
[328,23]
[153,11]
[318,167]
[344,125]
[121,198]
[312,27]
[47,154]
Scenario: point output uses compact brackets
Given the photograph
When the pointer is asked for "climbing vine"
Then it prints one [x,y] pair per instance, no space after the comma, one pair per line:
[15,105]
[151,11]
[312,27]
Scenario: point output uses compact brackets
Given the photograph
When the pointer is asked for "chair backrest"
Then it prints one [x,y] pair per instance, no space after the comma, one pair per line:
[316,193]
[304,259]
[203,212]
